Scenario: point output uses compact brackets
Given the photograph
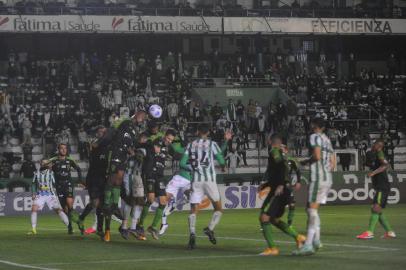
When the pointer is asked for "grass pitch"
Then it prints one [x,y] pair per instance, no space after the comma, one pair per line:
[239,241]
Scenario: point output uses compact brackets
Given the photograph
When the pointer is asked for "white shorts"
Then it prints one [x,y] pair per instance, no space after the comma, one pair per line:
[200,189]
[318,192]
[51,200]
[177,183]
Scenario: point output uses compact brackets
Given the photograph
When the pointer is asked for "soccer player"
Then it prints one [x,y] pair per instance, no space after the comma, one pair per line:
[379,166]
[133,191]
[62,164]
[154,182]
[322,163]
[278,198]
[295,175]
[95,182]
[182,182]
[43,192]
[199,159]
[122,140]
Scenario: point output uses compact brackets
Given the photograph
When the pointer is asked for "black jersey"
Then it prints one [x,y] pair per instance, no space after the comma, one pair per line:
[277,171]
[381,180]
[62,169]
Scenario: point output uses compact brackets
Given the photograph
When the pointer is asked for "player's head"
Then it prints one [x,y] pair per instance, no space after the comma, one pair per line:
[378,145]
[276,140]
[139,116]
[100,131]
[157,146]
[317,124]
[62,149]
[142,138]
[45,164]
[203,130]
[170,135]
[153,127]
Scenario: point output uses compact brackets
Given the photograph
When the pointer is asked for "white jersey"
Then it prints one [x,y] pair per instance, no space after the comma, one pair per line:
[201,154]
[320,171]
[43,182]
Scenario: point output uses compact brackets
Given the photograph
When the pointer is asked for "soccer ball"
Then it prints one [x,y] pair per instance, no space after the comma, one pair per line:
[155,111]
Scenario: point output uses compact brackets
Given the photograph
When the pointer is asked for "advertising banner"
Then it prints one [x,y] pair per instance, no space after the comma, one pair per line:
[198,25]
[348,188]
[109,24]
[266,25]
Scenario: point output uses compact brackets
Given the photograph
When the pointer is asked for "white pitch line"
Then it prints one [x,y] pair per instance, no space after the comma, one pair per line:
[195,258]
[156,259]
[25,265]
[289,242]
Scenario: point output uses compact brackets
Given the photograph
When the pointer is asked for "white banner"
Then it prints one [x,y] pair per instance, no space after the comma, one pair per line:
[265,25]
[110,24]
[199,25]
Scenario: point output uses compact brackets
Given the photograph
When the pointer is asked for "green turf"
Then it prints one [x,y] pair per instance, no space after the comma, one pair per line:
[239,240]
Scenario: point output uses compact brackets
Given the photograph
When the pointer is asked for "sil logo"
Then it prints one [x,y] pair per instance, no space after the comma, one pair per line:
[116,22]
[3,20]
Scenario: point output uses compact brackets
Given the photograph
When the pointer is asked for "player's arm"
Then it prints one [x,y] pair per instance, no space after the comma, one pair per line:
[218,155]
[315,143]
[184,161]
[227,137]
[177,148]
[34,185]
[384,165]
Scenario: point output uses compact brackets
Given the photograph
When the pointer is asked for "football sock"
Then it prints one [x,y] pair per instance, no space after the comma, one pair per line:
[127,211]
[34,219]
[192,223]
[135,216]
[373,220]
[291,214]
[267,231]
[164,216]
[317,234]
[108,195]
[107,216]
[384,222]
[115,193]
[63,217]
[311,225]
[215,219]
[289,230]
[99,219]
[144,213]
[86,211]
[72,215]
[158,216]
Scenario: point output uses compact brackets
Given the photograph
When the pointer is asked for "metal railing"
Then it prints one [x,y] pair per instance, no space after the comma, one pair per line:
[220,12]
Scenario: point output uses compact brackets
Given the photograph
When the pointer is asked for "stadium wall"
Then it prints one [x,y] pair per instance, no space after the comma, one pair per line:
[240,192]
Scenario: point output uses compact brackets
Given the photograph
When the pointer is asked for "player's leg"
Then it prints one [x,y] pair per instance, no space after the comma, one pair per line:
[291,209]
[377,214]
[195,199]
[135,216]
[212,192]
[150,190]
[153,229]
[389,233]
[53,204]
[37,204]
[312,220]
[276,211]
[266,225]
[112,197]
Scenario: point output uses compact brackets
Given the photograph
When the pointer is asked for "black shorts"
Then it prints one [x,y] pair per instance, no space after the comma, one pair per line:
[158,187]
[64,191]
[96,192]
[274,206]
[381,197]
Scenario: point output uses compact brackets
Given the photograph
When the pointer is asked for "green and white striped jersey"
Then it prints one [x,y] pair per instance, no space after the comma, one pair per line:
[320,171]
[43,183]
[199,159]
